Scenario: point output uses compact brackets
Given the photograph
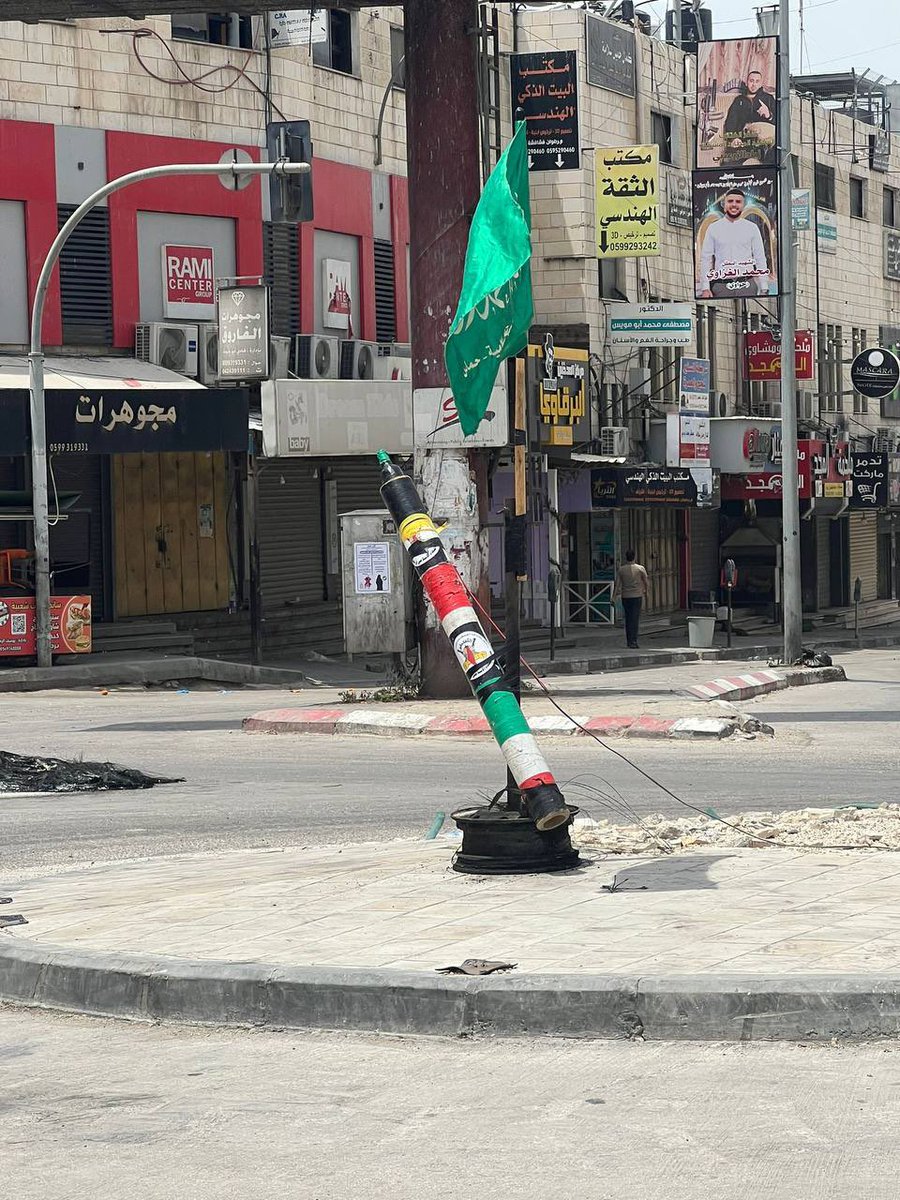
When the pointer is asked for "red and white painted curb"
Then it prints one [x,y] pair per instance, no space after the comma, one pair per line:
[760,683]
[407,724]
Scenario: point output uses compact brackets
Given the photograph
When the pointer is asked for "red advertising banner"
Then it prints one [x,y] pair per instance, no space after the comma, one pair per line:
[825,472]
[762,356]
[189,282]
[70,625]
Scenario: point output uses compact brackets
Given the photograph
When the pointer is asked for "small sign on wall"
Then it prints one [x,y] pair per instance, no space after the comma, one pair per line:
[337,296]
[189,290]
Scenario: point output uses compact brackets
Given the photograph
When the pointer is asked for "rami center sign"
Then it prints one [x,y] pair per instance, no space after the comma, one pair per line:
[627,201]
[189,282]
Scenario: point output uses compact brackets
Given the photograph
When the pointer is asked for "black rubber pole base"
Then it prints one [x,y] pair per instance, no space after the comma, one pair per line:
[498,841]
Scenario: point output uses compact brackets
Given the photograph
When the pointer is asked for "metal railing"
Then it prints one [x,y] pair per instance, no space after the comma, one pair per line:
[589,602]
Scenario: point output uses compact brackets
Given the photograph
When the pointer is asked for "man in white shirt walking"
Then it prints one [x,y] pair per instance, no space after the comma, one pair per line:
[733,257]
[632,585]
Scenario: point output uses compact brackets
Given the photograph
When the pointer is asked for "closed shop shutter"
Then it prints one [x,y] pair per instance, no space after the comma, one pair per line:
[704,549]
[654,538]
[358,481]
[290,533]
[864,553]
[823,562]
[77,544]
[13,534]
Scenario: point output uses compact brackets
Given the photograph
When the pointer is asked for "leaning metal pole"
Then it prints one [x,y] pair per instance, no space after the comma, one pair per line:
[792,607]
[483,668]
[39,501]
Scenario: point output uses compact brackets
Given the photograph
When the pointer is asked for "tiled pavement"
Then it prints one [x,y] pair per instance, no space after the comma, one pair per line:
[398,904]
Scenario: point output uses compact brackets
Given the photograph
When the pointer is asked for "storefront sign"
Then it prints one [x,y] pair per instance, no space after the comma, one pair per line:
[687,440]
[891,254]
[870,481]
[189,290]
[70,625]
[610,56]
[297,27]
[557,378]
[119,421]
[312,417]
[436,421]
[544,87]
[741,444]
[627,201]
[244,332]
[762,356]
[665,324]
[824,472]
[875,372]
[693,386]
[826,231]
[880,151]
[678,198]
[801,209]
[643,487]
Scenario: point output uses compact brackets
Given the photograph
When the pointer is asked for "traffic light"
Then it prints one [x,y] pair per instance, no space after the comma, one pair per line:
[291,195]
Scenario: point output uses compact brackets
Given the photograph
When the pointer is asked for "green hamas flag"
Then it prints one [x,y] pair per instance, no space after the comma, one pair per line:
[495,307]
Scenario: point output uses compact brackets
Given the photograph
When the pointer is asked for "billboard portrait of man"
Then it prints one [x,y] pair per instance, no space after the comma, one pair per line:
[735,234]
[737,103]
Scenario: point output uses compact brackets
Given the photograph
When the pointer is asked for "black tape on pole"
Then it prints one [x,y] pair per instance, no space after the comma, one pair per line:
[514,545]
[402,498]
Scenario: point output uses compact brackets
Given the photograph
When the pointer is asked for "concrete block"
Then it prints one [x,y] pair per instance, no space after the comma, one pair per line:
[649,727]
[369,720]
[293,720]
[711,728]
[556,724]
[458,725]
[609,726]
[557,1005]
[209,993]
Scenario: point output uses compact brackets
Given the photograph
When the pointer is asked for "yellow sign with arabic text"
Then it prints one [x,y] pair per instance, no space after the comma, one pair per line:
[627,201]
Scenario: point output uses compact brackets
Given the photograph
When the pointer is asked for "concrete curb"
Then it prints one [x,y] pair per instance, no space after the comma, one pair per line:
[101,673]
[760,683]
[689,1007]
[406,724]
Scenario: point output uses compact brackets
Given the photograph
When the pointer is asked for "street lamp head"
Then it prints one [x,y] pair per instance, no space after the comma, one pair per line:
[767,20]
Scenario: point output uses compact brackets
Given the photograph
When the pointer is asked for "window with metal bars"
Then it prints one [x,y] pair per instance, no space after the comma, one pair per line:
[385,292]
[85,280]
[281,247]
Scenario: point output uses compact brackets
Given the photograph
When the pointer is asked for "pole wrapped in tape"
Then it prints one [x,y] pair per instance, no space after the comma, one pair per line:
[476,656]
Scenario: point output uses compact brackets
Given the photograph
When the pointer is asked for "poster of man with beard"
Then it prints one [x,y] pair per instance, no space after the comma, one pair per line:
[735,234]
[737,103]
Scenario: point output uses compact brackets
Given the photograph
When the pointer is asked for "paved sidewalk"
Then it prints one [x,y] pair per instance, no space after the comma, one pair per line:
[696,944]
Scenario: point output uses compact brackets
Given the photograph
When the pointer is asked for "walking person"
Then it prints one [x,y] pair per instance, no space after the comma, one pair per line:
[632,585]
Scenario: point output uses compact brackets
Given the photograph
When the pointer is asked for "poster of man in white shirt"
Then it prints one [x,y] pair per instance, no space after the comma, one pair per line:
[735,234]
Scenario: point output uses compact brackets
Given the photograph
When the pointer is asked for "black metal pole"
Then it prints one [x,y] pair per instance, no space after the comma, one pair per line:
[255,586]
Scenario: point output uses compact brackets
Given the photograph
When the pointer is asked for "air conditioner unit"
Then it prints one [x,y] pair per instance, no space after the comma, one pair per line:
[767,409]
[395,350]
[316,357]
[358,359]
[615,441]
[279,357]
[393,367]
[208,354]
[718,404]
[171,346]
[806,406]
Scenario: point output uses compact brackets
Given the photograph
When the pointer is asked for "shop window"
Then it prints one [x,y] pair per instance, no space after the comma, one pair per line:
[336,51]
[890,210]
[825,187]
[398,57]
[661,133]
[857,197]
[612,279]
[831,347]
[795,169]
[218,28]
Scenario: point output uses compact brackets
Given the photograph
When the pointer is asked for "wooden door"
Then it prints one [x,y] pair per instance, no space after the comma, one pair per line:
[171,533]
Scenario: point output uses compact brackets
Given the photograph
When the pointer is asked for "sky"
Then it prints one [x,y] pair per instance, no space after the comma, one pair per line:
[838,34]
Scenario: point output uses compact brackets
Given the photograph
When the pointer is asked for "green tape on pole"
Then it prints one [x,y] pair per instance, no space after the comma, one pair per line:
[504,716]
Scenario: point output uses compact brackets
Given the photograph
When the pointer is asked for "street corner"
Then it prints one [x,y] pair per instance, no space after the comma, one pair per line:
[749,684]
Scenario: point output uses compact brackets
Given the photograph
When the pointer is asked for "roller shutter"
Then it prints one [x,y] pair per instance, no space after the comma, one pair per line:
[704,549]
[823,562]
[358,481]
[864,553]
[290,533]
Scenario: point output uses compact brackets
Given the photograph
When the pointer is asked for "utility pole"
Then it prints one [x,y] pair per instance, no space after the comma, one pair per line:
[792,606]
[40,507]
[443,130]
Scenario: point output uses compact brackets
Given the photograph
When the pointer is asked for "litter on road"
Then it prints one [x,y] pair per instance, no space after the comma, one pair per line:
[23,773]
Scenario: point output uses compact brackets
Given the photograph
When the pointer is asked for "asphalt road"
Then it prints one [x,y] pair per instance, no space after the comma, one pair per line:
[834,744]
[100,1108]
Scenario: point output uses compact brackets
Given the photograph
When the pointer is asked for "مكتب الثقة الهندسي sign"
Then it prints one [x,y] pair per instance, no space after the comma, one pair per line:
[627,201]
[544,93]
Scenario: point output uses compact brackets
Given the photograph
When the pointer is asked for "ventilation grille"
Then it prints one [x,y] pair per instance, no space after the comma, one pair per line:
[85,280]
[281,250]
[385,293]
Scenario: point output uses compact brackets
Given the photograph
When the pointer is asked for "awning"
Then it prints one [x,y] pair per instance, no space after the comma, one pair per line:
[62,371]
[120,406]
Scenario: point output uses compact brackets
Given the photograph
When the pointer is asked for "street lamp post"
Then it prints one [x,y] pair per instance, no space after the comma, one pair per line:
[39,501]
[772,21]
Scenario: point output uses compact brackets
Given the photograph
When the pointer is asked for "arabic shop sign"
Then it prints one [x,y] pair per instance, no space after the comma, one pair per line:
[643,487]
[557,378]
[119,421]
[678,198]
[664,324]
[762,356]
[544,92]
[610,56]
[627,183]
[244,332]
[189,282]
[70,625]
[891,254]
[870,481]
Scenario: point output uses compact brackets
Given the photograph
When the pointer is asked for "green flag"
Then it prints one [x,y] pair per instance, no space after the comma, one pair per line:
[495,307]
